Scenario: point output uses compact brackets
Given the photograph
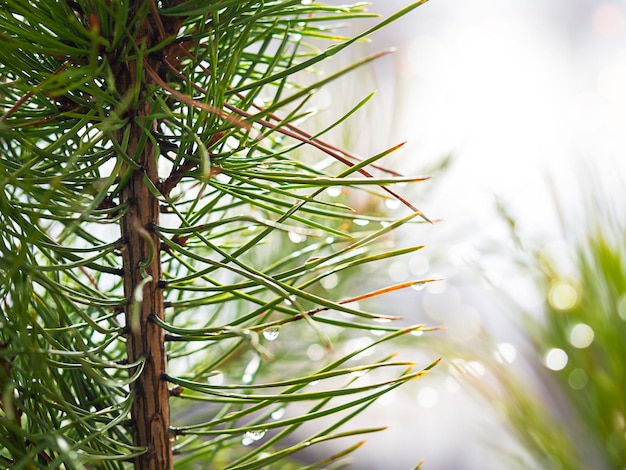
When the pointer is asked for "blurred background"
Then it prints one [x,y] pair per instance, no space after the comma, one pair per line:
[518,112]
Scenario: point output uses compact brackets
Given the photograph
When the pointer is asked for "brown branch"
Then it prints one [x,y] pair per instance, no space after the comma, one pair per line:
[145,341]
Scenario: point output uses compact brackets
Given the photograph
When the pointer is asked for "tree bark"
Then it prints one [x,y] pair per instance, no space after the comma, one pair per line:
[145,340]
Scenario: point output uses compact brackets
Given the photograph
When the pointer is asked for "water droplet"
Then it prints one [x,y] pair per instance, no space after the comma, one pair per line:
[307,2]
[581,335]
[334,191]
[279,413]
[251,369]
[419,286]
[256,434]
[295,36]
[314,383]
[246,441]
[392,203]
[378,332]
[382,320]
[296,237]
[330,240]
[271,334]
[358,372]
[417,333]
[361,222]
[556,359]
[216,378]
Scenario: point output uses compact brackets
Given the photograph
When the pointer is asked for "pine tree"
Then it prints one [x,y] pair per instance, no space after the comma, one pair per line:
[153,178]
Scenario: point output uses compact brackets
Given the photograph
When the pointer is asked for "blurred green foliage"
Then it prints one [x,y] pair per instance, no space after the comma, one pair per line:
[565,400]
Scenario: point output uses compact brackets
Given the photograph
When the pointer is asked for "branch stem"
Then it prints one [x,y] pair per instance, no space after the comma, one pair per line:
[145,340]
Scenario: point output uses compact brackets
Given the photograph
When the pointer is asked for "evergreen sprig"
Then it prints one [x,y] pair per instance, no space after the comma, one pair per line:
[163,218]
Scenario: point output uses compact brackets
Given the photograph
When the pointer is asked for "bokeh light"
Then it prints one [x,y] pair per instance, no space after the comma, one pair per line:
[563,296]
[556,359]
[581,335]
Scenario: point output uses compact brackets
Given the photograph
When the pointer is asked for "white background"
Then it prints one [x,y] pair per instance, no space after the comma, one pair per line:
[530,97]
